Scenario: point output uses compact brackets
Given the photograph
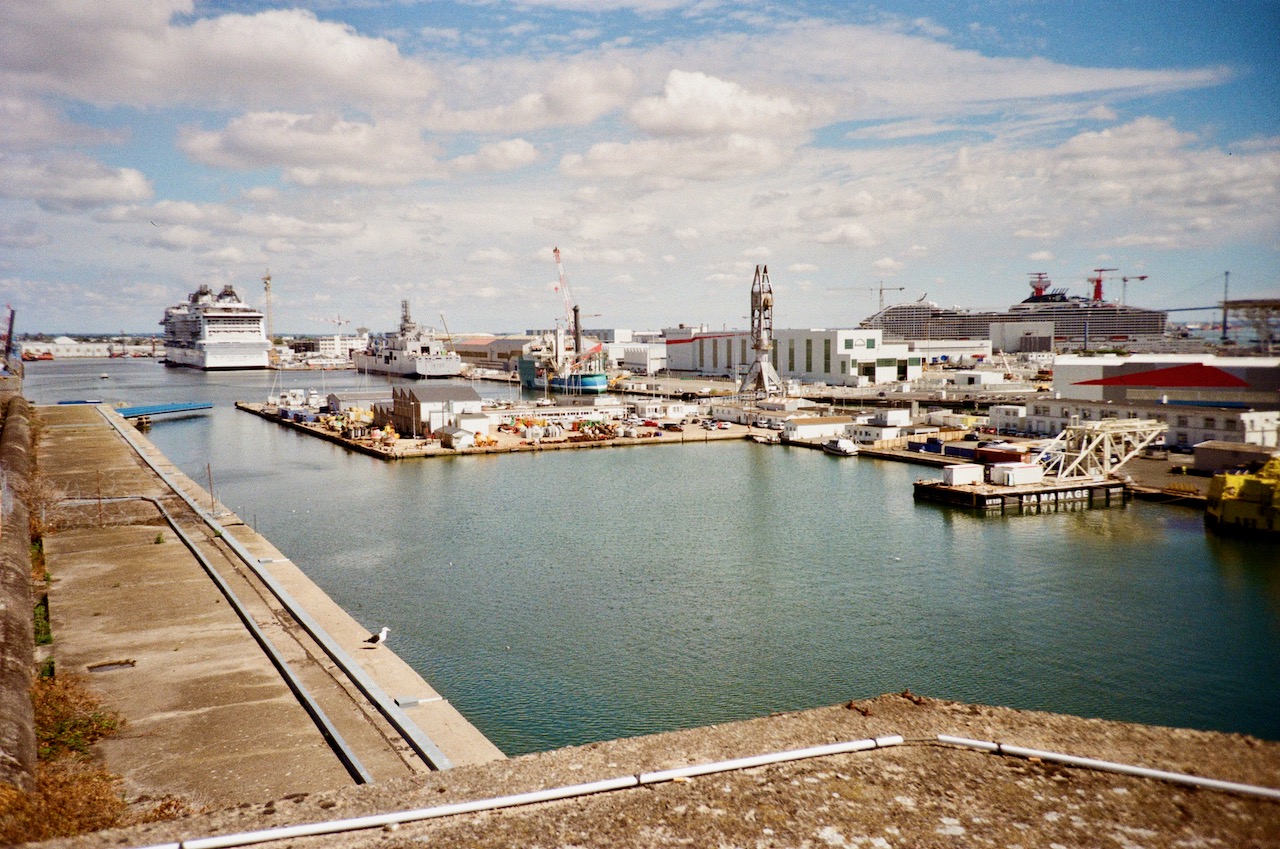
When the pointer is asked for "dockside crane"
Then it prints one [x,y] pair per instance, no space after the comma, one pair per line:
[448,337]
[273,356]
[881,289]
[563,288]
[1124,286]
[1096,280]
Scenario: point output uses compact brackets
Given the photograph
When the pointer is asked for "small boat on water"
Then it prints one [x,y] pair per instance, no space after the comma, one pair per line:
[840,447]
[766,439]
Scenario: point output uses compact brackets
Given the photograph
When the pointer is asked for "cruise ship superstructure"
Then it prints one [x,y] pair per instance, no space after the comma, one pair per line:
[1087,321]
[412,352]
[211,332]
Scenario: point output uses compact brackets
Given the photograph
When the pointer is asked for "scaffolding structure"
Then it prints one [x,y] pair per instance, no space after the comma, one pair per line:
[1093,449]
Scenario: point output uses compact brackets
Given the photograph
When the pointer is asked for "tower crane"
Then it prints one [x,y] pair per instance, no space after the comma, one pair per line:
[881,289]
[273,356]
[563,288]
[339,321]
[1097,282]
[1124,286]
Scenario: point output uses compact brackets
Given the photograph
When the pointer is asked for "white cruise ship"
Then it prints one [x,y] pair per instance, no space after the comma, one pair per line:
[413,352]
[1075,319]
[210,332]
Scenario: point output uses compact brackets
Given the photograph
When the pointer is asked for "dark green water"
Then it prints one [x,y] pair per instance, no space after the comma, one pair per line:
[566,597]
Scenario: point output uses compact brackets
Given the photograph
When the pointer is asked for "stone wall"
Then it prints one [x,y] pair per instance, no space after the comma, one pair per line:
[17,638]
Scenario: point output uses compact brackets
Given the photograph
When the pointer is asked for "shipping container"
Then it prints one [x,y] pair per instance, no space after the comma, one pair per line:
[1016,474]
[961,474]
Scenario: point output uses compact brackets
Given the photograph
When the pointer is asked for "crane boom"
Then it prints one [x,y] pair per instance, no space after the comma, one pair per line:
[563,287]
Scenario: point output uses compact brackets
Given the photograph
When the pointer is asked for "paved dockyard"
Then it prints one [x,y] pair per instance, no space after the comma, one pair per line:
[208,716]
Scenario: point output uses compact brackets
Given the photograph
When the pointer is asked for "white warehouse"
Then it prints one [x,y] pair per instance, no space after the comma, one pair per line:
[839,357]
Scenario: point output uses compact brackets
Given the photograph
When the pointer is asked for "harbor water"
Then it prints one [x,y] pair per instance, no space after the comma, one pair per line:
[565,597]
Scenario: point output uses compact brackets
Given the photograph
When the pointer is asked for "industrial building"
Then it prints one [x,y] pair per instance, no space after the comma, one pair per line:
[839,357]
[1187,425]
[1197,380]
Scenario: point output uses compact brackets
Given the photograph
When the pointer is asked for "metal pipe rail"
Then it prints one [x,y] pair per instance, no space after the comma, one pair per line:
[399,720]
[572,791]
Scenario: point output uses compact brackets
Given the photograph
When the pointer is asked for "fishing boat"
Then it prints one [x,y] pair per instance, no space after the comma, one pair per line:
[840,447]
[414,351]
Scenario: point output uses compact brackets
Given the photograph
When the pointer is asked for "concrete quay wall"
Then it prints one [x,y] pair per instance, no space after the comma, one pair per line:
[17,637]
[208,715]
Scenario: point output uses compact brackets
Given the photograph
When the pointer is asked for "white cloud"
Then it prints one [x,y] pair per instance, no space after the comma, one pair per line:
[69,183]
[22,234]
[500,156]
[667,162]
[887,264]
[563,95]
[131,52]
[853,234]
[28,125]
[696,104]
[316,149]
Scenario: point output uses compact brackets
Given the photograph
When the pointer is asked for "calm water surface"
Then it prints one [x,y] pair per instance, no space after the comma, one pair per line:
[567,597]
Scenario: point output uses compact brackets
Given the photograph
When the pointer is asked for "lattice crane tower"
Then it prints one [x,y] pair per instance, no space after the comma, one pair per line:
[761,378]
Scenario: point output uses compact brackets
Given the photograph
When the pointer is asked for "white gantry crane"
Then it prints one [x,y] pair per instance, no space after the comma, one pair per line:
[1093,449]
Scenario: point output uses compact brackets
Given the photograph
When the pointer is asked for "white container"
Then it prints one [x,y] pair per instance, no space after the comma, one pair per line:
[1016,474]
[961,474]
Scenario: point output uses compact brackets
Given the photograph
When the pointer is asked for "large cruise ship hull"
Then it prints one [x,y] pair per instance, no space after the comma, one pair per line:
[230,357]
[215,332]
[1072,322]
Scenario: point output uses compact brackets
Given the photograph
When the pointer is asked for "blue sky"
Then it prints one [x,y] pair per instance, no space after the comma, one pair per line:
[370,151]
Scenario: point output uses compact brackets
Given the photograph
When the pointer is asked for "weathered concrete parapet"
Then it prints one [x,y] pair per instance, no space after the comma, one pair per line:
[17,636]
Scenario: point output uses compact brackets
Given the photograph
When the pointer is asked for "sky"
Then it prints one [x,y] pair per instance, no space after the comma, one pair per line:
[368,151]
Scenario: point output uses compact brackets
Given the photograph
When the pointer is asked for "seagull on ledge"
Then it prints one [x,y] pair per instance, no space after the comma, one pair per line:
[379,638]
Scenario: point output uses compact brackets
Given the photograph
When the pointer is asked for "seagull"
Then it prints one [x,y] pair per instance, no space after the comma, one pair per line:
[378,638]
